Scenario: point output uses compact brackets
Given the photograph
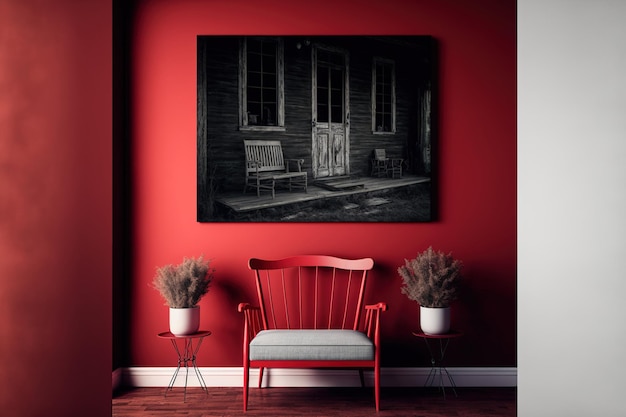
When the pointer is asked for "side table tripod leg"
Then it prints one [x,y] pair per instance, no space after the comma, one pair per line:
[442,349]
[452,383]
[430,379]
[200,378]
[170,386]
[186,376]
[188,358]
[441,386]
[195,367]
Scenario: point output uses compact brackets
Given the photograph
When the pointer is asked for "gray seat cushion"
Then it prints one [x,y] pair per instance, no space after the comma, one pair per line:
[311,345]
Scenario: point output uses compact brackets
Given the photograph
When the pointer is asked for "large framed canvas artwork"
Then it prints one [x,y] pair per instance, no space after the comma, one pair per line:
[316,128]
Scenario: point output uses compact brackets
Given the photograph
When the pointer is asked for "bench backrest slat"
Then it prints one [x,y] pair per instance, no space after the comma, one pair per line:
[268,152]
[311,291]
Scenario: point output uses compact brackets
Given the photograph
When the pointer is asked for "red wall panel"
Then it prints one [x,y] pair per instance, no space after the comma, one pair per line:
[477,162]
[55,208]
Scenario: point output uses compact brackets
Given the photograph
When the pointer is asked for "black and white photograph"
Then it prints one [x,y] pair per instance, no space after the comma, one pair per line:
[316,128]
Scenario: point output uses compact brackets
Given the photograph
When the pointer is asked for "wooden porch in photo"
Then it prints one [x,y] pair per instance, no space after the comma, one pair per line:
[328,188]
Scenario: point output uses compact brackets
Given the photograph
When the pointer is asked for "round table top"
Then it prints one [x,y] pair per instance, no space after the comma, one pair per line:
[199,333]
[451,334]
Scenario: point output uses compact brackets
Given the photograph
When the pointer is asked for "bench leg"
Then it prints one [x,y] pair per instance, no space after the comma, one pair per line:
[261,376]
[377,386]
[246,376]
[298,182]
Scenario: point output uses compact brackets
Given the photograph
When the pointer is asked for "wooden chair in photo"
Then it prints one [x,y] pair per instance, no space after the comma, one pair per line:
[379,163]
[394,167]
[384,166]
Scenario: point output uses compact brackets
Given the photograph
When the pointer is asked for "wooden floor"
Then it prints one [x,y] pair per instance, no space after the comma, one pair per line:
[240,202]
[337,402]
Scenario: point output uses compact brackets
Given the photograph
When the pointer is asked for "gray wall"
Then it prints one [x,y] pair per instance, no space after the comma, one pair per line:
[571,207]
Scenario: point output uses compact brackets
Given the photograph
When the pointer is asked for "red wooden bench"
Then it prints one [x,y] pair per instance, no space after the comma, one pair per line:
[309,315]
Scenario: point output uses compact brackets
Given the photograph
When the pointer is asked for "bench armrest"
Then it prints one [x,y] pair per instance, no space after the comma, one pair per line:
[252,321]
[299,163]
[377,306]
[372,321]
[253,164]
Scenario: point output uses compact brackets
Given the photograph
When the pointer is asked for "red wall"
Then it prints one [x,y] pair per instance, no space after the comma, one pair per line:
[477,189]
[55,208]
[56,187]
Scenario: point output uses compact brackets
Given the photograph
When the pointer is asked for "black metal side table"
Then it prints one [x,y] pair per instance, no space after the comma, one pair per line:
[186,356]
[437,357]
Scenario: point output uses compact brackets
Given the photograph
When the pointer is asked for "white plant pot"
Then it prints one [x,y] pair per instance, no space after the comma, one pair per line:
[435,320]
[184,321]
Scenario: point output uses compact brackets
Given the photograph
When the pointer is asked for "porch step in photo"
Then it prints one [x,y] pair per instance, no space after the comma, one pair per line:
[340,183]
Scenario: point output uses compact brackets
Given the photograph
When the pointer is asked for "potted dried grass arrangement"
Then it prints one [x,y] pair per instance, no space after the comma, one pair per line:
[182,286]
[432,279]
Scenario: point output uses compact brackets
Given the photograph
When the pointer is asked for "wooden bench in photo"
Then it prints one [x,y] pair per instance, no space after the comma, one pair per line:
[266,166]
[311,314]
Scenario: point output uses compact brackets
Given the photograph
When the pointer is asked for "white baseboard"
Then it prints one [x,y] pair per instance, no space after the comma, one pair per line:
[390,377]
